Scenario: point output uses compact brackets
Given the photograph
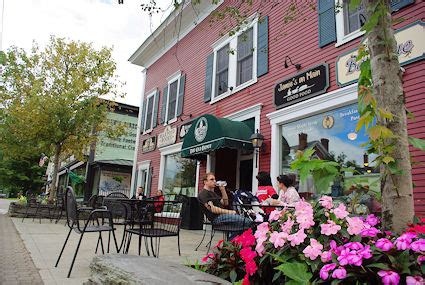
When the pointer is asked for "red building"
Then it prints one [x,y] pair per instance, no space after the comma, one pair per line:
[279,78]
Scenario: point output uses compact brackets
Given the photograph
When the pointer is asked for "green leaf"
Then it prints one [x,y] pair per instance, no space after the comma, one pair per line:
[388,159]
[296,271]
[372,22]
[418,143]
[233,276]
[379,265]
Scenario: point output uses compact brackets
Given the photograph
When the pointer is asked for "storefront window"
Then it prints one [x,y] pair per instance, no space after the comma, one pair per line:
[179,175]
[332,134]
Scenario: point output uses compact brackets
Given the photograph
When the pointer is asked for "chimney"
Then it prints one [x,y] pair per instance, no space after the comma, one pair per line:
[302,141]
[325,143]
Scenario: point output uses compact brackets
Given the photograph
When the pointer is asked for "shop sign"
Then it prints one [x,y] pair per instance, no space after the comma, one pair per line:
[167,137]
[149,144]
[184,129]
[302,86]
[410,48]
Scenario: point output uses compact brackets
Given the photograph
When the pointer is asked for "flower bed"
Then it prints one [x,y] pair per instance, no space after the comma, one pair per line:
[320,243]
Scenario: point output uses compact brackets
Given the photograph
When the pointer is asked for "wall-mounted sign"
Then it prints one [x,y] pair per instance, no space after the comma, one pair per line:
[167,137]
[410,48]
[149,144]
[184,129]
[302,86]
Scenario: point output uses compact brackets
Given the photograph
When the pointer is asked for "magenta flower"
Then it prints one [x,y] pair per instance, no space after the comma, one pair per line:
[372,220]
[354,245]
[365,253]
[418,245]
[251,267]
[384,244]
[208,256]
[313,250]
[326,256]
[330,228]
[420,259]
[324,271]
[297,238]
[278,239]
[275,215]
[326,202]
[247,254]
[339,273]
[355,225]
[371,232]
[403,242]
[336,249]
[414,280]
[340,211]
[350,257]
[246,239]
[389,277]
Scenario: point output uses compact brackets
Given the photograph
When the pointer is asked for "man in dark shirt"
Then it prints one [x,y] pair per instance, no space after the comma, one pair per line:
[214,206]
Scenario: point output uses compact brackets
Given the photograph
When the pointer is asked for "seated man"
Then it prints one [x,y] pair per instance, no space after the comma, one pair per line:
[214,207]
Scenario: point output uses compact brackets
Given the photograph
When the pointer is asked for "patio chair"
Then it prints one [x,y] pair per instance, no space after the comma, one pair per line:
[74,217]
[206,223]
[117,195]
[32,203]
[155,222]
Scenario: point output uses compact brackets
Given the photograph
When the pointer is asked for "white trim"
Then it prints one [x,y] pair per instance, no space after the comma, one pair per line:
[171,79]
[340,28]
[198,168]
[139,128]
[332,100]
[143,166]
[153,94]
[232,41]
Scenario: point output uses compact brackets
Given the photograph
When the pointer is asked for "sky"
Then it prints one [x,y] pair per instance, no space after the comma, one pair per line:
[102,22]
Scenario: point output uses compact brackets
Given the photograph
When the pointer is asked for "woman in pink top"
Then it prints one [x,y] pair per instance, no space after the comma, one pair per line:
[288,195]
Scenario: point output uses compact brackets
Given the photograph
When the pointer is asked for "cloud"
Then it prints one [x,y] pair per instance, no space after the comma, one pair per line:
[102,22]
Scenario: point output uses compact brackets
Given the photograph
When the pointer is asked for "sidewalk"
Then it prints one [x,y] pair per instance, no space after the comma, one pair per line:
[16,265]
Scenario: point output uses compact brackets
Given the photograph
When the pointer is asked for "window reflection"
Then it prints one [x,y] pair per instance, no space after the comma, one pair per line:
[179,175]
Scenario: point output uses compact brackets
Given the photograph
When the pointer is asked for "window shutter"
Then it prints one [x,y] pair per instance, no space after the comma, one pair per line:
[155,109]
[164,105]
[209,78]
[142,118]
[180,99]
[327,26]
[398,4]
[263,46]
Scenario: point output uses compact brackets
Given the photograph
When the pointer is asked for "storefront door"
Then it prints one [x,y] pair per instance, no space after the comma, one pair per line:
[226,166]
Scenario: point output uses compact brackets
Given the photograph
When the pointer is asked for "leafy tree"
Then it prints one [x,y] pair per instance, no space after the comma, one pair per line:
[51,100]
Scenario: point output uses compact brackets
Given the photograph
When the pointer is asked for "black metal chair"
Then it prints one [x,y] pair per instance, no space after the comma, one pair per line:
[206,223]
[116,195]
[74,215]
[156,220]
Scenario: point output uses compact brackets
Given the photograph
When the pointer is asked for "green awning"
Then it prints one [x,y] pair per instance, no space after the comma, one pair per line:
[209,133]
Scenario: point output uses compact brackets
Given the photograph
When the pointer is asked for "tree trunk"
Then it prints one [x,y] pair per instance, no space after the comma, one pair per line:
[397,190]
[58,150]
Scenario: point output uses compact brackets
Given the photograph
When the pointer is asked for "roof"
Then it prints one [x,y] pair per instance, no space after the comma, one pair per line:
[177,25]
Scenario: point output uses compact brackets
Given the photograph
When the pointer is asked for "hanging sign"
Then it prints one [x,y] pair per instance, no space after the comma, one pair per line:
[167,137]
[149,144]
[410,48]
[302,86]
[184,129]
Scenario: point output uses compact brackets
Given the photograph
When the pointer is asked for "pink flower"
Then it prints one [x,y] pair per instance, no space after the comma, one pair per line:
[278,239]
[403,242]
[418,245]
[336,249]
[420,259]
[326,256]
[259,248]
[414,280]
[287,226]
[219,243]
[350,257]
[384,244]
[330,228]
[371,232]
[389,277]
[354,245]
[251,267]
[313,250]
[324,271]
[355,225]
[262,230]
[275,215]
[247,254]
[297,238]
[339,273]
[246,239]
[340,212]
[304,214]
[365,253]
[326,202]
[208,256]
[372,220]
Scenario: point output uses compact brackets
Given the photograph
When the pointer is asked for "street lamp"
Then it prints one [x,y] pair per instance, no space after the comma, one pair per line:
[257,142]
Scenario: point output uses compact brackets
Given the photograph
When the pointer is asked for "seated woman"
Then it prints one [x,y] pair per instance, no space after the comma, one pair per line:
[288,195]
[159,205]
[265,189]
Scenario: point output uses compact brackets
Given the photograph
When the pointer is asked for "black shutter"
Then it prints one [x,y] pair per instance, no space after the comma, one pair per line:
[327,25]
[155,109]
[180,99]
[164,105]
[398,4]
[263,46]
[209,78]
[142,117]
